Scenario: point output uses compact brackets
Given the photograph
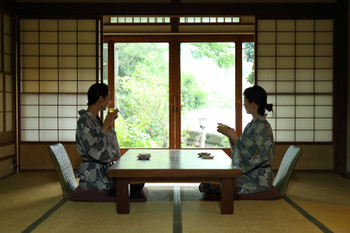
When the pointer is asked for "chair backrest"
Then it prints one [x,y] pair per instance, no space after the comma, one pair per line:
[64,169]
[285,170]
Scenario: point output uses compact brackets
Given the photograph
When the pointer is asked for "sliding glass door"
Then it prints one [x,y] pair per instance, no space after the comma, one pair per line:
[207,92]
[172,92]
[142,94]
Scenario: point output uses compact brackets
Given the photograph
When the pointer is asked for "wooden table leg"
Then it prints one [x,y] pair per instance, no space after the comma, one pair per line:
[227,196]
[123,202]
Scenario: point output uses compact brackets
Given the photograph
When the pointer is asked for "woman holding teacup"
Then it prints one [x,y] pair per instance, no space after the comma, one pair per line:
[254,150]
[97,142]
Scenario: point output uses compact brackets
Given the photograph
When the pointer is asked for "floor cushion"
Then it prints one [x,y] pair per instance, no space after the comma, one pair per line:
[270,194]
[104,196]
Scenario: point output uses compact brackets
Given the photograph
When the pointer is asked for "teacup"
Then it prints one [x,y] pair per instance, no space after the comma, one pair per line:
[113,110]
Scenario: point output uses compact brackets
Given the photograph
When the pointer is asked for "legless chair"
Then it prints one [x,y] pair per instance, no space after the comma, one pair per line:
[68,182]
[281,181]
[286,168]
[64,169]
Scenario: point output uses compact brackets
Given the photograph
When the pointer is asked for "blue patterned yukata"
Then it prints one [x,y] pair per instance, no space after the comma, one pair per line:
[98,150]
[253,153]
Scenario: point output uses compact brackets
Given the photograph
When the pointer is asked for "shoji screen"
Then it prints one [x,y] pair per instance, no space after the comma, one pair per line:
[59,61]
[7,100]
[6,78]
[295,66]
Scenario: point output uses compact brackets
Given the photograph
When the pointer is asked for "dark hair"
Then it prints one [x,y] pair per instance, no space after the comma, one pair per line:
[258,95]
[95,91]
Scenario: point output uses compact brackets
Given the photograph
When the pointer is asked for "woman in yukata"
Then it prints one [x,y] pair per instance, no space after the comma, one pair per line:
[97,143]
[254,150]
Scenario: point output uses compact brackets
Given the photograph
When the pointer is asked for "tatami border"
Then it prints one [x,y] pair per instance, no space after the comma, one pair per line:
[177,217]
[307,215]
[45,216]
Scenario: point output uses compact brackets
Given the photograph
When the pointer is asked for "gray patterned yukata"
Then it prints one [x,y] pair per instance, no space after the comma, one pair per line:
[253,153]
[98,150]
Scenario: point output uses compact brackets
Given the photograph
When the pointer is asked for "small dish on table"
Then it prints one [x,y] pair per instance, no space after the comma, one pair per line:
[144,156]
[205,155]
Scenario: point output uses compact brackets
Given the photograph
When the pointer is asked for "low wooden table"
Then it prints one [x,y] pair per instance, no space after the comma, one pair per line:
[171,165]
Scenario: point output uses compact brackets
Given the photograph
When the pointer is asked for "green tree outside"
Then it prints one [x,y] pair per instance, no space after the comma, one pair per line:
[142,89]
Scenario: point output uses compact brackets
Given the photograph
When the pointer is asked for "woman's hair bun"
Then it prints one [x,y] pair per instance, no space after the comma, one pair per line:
[269,107]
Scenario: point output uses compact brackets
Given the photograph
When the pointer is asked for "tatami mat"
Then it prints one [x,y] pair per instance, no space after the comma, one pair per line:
[249,216]
[102,217]
[35,200]
[325,196]
[25,197]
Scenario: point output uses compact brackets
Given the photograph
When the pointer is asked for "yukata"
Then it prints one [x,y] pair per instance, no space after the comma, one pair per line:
[98,150]
[253,153]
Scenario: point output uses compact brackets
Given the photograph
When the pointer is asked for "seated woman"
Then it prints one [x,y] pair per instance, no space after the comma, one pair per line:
[97,143]
[254,150]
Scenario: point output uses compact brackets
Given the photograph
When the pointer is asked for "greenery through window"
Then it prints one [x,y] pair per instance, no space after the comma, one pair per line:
[207,92]
[142,94]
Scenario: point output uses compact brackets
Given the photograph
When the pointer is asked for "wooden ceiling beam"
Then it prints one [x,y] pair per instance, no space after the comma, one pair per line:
[305,10]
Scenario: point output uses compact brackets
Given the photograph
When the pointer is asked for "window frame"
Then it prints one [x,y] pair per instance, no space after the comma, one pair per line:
[175,73]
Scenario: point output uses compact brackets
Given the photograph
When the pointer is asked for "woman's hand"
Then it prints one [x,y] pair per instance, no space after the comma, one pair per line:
[228,132]
[110,118]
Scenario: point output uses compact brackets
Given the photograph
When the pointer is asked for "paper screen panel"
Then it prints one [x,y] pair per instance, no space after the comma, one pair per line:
[304,62]
[48,86]
[324,100]
[285,136]
[304,50]
[9,102]
[83,86]
[304,124]
[285,62]
[285,50]
[324,87]
[286,74]
[324,124]
[67,123]
[55,54]
[304,136]
[284,111]
[66,135]
[285,87]
[48,74]
[48,123]
[67,74]
[29,123]
[30,135]
[67,37]
[48,135]
[285,37]
[304,87]
[30,86]
[305,100]
[68,86]
[323,136]
[266,50]
[67,49]
[1,120]
[266,74]
[304,74]
[67,99]
[285,124]
[86,74]
[48,49]
[267,62]
[48,111]
[48,37]
[48,25]
[87,50]
[304,111]
[9,121]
